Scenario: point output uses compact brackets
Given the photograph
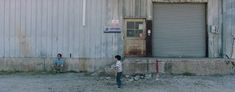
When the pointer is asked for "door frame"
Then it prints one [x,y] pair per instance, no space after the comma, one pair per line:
[125,37]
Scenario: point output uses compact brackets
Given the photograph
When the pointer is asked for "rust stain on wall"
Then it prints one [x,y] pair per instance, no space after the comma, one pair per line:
[24,44]
[135,48]
[134,52]
[84,65]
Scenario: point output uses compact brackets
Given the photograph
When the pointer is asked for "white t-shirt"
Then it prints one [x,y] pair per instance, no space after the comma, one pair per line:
[119,66]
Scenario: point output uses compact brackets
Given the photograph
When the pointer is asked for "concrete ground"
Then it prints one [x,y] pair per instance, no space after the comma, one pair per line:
[77,82]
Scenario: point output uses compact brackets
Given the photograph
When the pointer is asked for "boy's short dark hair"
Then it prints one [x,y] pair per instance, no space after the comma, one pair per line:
[118,57]
[59,54]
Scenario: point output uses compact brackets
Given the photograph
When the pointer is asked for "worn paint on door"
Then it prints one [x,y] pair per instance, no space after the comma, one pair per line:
[135,44]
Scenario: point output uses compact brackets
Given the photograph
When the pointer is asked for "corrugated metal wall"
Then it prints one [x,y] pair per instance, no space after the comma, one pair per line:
[228,27]
[214,19]
[135,8]
[43,28]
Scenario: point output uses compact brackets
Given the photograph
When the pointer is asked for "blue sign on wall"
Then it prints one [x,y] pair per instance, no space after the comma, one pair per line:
[112,30]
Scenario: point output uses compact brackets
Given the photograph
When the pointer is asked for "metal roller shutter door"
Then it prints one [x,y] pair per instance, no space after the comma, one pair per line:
[179,30]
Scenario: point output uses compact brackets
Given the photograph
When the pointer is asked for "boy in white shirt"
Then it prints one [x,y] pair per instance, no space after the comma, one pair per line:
[118,68]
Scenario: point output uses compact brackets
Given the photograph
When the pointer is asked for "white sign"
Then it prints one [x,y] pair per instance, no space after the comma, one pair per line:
[141,26]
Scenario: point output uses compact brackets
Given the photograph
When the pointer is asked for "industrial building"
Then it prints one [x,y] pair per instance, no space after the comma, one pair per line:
[188,33]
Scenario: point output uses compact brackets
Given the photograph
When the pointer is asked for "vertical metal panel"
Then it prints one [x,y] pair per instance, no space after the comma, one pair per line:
[33,35]
[49,28]
[143,5]
[135,8]
[95,11]
[233,28]
[45,30]
[149,11]
[89,32]
[55,27]
[214,20]
[63,26]
[102,26]
[80,38]
[1,28]
[12,28]
[37,28]
[71,28]
[228,27]
[65,31]
[40,26]
[7,28]
[60,26]
[28,26]
[69,32]
[17,25]
[21,34]
[233,18]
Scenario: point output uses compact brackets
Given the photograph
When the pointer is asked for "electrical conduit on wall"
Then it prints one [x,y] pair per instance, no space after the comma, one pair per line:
[84,13]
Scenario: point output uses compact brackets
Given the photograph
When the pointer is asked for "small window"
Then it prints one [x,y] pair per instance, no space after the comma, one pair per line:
[135,29]
[131,33]
[139,25]
[130,25]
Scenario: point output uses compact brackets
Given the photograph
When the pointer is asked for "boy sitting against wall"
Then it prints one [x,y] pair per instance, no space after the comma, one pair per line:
[58,64]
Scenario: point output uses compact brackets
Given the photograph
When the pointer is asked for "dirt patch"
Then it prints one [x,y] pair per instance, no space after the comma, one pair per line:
[79,82]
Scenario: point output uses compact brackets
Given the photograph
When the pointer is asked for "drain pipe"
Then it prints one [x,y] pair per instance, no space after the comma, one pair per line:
[157,70]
